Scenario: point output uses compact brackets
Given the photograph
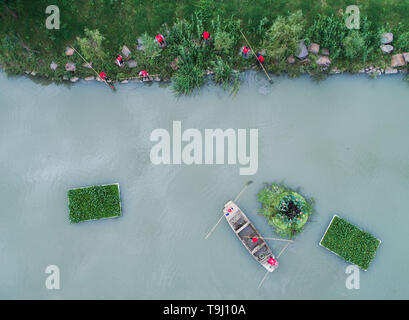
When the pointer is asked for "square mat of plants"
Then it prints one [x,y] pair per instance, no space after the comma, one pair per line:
[350,243]
[94,203]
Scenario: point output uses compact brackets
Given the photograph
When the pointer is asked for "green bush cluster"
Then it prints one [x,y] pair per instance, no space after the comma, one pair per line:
[92,203]
[350,243]
[286,210]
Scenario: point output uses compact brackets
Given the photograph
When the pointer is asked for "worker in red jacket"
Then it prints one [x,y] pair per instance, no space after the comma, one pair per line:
[245,51]
[260,58]
[144,74]
[160,40]
[119,60]
[103,76]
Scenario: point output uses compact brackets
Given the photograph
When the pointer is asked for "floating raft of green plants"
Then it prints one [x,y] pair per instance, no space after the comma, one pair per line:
[94,203]
[350,243]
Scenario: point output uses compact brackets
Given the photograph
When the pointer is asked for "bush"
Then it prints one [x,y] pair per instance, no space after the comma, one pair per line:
[350,243]
[222,71]
[151,48]
[355,46]
[93,203]
[223,42]
[402,42]
[91,45]
[283,37]
[187,78]
[329,32]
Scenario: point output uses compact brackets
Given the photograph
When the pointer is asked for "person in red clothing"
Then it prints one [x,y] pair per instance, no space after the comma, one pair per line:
[272,261]
[160,40]
[260,58]
[119,61]
[103,76]
[205,37]
[144,74]
[245,51]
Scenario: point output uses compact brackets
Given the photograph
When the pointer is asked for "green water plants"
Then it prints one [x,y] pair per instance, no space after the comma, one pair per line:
[286,210]
[93,203]
[350,243]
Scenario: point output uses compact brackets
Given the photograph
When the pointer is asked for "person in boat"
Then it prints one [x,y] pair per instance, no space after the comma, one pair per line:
[260,58]
[144,74]
[272,261]
[245,52]
[119,61]
[160,40]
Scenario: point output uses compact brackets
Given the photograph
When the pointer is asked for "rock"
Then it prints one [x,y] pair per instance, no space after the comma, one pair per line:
[89,78]
[70,66]
[132,64]
[53,66]
[387,37]
[33,73]
[302,50]
[314,48]
[335,71]
[306,61]
[157,79]
[124,81]
[27,72]
[406,56]
[323,61]
[391,71]
[125,51]
[69,51]
[74,79]
[397,60]
[325,52]
[291,59]
[87,65]
[174,64]
[140,45]
[386,48]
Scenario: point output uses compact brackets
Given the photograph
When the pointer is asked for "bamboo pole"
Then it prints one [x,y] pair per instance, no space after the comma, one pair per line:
[112,87]
[283,250]
[271,81]
[235,199]
[277,239]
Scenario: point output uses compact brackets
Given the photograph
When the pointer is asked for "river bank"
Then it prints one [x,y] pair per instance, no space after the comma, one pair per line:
[294,42]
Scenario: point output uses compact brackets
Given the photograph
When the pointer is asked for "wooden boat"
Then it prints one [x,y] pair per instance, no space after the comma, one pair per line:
[246,232]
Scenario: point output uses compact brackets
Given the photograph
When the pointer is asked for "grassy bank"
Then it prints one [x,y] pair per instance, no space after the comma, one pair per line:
[272,26]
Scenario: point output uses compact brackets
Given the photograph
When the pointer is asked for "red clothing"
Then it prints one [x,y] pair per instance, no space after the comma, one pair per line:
[272,261]
[119,58]
[103,75]
[260,58]
[143,73]
[255,239]
[245,49]
[206,35]
[159,38]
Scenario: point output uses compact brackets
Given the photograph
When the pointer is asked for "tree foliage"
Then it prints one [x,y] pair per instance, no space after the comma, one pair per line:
[92,45]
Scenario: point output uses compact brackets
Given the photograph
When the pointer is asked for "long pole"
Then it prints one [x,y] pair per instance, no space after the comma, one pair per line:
[277,239]
[235,199]
[271,81]
[112,87]
[264,278]
[283,250]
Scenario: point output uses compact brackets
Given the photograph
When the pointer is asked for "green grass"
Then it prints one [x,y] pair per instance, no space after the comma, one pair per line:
[350,243]
[93,203]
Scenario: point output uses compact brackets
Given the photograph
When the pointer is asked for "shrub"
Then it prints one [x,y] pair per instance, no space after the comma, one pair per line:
[151,49]
[329,32]
[93,203]
[223,41]
[283,37]
[355,46]
[222,71]
[187,78]
[91,45]
[350,243]
[402,42]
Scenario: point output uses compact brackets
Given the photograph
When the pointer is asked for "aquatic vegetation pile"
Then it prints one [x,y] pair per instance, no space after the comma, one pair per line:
[93,203]
[286,210]
[350,243]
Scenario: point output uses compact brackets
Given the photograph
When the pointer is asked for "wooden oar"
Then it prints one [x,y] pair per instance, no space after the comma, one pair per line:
[112,87]
[269,79]
[277,239]
[235,199]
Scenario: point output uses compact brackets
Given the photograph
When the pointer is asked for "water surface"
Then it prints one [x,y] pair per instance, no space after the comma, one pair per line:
[342,141]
